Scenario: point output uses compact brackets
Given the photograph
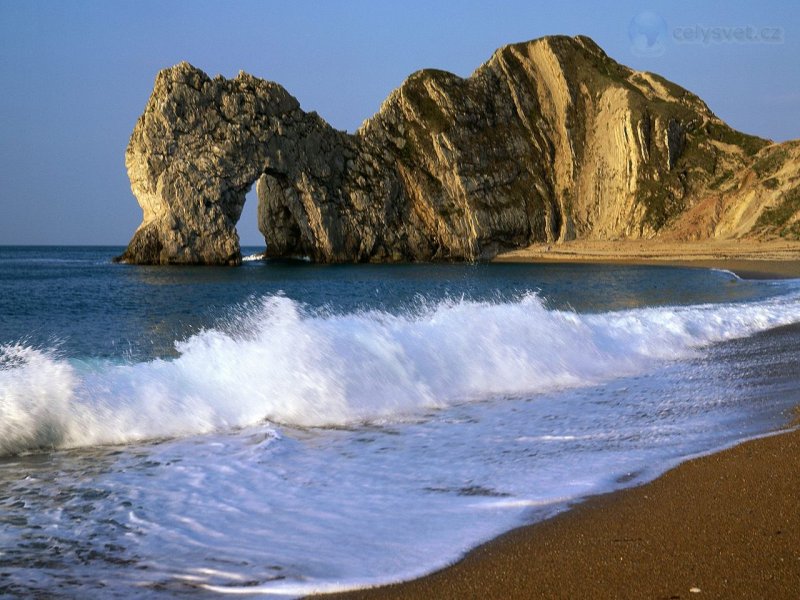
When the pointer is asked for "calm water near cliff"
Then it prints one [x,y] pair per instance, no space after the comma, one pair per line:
[284,428]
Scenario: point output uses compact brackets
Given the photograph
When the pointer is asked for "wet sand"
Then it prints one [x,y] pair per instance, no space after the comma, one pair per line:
[725,525]
[721,526]
[776,258]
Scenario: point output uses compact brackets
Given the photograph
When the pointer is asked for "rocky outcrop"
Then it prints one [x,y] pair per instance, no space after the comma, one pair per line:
[549,140]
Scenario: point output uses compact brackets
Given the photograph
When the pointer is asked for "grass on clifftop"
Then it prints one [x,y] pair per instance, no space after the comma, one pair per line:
[727,135]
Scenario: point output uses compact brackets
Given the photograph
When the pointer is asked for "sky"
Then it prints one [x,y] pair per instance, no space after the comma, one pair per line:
[77,74]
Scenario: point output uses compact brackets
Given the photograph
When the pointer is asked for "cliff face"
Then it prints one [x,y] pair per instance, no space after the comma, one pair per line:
[549,140]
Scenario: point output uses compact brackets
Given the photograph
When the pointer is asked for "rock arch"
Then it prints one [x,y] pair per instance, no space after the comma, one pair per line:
[202,143]
[546,141]
[194,154]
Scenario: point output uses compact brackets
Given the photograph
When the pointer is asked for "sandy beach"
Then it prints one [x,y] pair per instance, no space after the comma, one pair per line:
[726,525]
[747,258]
[722,526]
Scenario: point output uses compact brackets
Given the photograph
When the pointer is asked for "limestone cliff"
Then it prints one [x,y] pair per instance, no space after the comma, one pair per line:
[549,140]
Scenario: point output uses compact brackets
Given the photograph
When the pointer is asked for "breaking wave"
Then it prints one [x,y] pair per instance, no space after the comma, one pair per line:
[277,361]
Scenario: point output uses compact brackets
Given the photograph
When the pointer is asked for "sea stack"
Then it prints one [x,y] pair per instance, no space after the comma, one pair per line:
[548,141]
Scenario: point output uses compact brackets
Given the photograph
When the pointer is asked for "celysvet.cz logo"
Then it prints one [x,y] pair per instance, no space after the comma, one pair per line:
[699,34]
[650,36]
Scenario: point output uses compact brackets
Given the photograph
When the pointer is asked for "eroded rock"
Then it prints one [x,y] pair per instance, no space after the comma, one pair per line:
[548,140]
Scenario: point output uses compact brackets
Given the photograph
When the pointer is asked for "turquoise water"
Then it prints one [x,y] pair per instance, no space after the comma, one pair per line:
[284,428]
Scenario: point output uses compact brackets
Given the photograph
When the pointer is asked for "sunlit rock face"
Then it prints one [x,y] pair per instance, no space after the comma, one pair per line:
[549,140]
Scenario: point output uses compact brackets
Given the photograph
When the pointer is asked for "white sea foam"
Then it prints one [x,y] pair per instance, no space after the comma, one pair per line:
[728,272]
[281,363]
[293,512]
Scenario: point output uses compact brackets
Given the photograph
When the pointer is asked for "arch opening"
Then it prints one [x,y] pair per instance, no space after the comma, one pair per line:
[251,240]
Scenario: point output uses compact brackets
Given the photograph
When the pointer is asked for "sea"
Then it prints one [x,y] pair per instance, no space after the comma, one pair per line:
[287,428]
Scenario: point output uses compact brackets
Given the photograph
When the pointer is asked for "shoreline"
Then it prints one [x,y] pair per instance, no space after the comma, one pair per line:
[775,259]
[724,525]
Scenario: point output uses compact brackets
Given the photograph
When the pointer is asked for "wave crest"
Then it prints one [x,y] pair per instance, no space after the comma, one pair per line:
[279,362]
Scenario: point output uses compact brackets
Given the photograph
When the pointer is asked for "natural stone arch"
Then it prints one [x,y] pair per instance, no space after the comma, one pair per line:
[202,143]
[194,154]
[548,140]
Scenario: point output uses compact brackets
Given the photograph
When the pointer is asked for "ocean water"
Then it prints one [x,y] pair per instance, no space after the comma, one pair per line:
[289,428]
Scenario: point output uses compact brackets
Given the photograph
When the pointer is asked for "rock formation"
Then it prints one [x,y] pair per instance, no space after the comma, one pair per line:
[549,140]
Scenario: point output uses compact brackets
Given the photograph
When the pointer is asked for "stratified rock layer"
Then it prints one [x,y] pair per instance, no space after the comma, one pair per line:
[549,140]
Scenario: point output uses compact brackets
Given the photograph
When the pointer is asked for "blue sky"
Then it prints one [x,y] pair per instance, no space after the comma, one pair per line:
[76,75]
